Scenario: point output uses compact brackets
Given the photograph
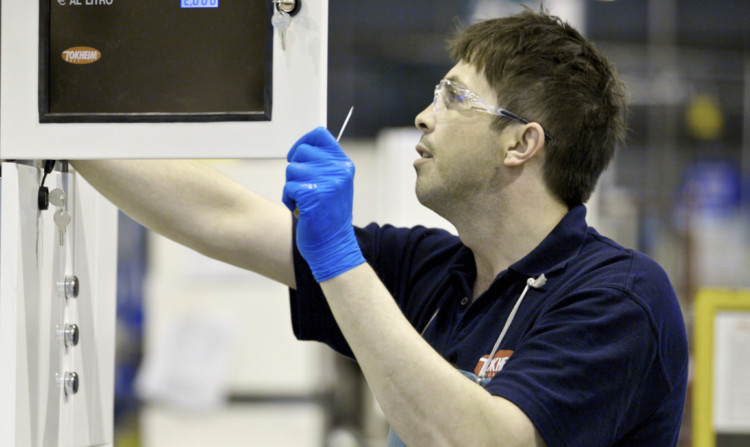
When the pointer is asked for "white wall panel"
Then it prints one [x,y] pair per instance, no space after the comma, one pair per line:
[34,408]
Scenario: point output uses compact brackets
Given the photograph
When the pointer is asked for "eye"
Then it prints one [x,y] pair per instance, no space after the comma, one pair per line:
[454,96]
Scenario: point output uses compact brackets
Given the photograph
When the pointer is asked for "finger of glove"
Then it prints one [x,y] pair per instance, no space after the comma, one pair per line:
[319,137]
[310,153]
[311,172]
[307,153]
[288,201]
[293,192]
[321,171]
[296,173]
[315,202]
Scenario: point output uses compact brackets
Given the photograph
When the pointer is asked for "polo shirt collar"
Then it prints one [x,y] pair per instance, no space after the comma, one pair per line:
[562,244]
[553,253]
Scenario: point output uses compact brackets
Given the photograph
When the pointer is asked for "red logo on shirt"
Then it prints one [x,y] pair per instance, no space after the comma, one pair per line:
[496,364]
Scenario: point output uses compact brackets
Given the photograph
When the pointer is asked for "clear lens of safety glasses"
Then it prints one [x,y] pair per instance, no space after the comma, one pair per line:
[447,96]
[450,95]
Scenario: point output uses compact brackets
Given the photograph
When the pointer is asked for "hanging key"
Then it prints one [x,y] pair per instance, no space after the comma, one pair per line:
[62,220]
[57,197]
[281,21]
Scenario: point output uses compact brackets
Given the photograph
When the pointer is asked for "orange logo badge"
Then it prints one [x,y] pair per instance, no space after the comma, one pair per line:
[496,364]
[81,55]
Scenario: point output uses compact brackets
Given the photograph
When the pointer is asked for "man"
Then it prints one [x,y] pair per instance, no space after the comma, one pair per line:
[568,338]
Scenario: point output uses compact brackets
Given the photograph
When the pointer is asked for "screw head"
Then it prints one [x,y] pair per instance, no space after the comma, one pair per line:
[71,383]
[72,287]
[71,334]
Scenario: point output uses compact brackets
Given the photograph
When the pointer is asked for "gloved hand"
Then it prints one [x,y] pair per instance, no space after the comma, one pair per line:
[319,181]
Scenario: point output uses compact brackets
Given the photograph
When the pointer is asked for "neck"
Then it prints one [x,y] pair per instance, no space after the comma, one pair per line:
[506,234]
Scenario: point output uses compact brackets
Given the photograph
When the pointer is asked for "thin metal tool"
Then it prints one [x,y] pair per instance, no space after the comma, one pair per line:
[341,132]
[346,121]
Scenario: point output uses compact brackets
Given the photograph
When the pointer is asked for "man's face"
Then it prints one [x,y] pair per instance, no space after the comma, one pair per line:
[460,152]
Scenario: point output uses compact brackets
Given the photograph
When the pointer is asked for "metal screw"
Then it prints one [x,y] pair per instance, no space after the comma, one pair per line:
[70,383]
[71,334]
[72,287]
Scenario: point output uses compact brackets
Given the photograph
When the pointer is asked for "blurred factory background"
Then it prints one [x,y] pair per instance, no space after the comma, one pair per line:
[205,351]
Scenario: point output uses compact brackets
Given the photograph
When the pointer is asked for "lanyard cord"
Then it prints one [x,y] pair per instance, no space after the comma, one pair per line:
[530,282]
[429,322]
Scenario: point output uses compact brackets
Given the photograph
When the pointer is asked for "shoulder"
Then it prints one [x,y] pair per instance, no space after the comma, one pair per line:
[604,261]
[378,239]
[640,281]
[408,258]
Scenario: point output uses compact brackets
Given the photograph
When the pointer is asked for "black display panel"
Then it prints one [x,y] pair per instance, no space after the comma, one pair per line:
[155,60]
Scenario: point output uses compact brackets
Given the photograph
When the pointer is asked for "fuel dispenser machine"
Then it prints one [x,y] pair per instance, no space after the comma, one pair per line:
[110,79]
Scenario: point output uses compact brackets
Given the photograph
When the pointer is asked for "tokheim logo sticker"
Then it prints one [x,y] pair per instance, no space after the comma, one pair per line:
[496,364]
[81,55]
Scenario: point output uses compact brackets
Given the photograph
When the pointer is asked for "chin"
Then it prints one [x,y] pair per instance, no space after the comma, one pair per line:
[425,196]
[419,192]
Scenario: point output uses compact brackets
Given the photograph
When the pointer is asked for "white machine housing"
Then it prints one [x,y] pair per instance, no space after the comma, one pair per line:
[299,102]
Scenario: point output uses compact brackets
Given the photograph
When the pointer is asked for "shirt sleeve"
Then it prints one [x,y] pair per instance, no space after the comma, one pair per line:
[590,359]
[312,318]
[401,258]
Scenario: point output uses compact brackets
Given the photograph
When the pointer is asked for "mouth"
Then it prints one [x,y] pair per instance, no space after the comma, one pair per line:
[423,151]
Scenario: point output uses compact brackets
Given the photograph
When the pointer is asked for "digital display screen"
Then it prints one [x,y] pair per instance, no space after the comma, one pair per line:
[165,60]
[199,3]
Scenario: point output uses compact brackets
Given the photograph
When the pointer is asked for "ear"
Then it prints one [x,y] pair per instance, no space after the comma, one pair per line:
[529,141]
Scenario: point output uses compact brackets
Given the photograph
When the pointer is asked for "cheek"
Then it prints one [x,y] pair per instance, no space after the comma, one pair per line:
[468,145]
[480,164]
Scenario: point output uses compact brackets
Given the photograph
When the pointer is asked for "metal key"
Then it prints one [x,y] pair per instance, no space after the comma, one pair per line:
[62,220]
[57,197]
[281,21]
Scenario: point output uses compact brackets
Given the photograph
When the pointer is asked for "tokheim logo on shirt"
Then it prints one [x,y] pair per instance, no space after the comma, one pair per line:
[496,364]
[81,55]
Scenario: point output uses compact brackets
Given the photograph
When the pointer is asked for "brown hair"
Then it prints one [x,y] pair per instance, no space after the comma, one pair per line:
[544,70]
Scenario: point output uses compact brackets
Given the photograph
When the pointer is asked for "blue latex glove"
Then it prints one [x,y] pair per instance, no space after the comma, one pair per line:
[319,181]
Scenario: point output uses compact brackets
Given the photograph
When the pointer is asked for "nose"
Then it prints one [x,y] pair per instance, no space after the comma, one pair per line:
[425,120]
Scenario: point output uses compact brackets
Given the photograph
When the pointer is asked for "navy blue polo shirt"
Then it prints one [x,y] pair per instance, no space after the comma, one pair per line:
[597,356]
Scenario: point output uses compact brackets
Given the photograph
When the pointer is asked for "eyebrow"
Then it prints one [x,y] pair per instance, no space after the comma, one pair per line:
[457,80]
